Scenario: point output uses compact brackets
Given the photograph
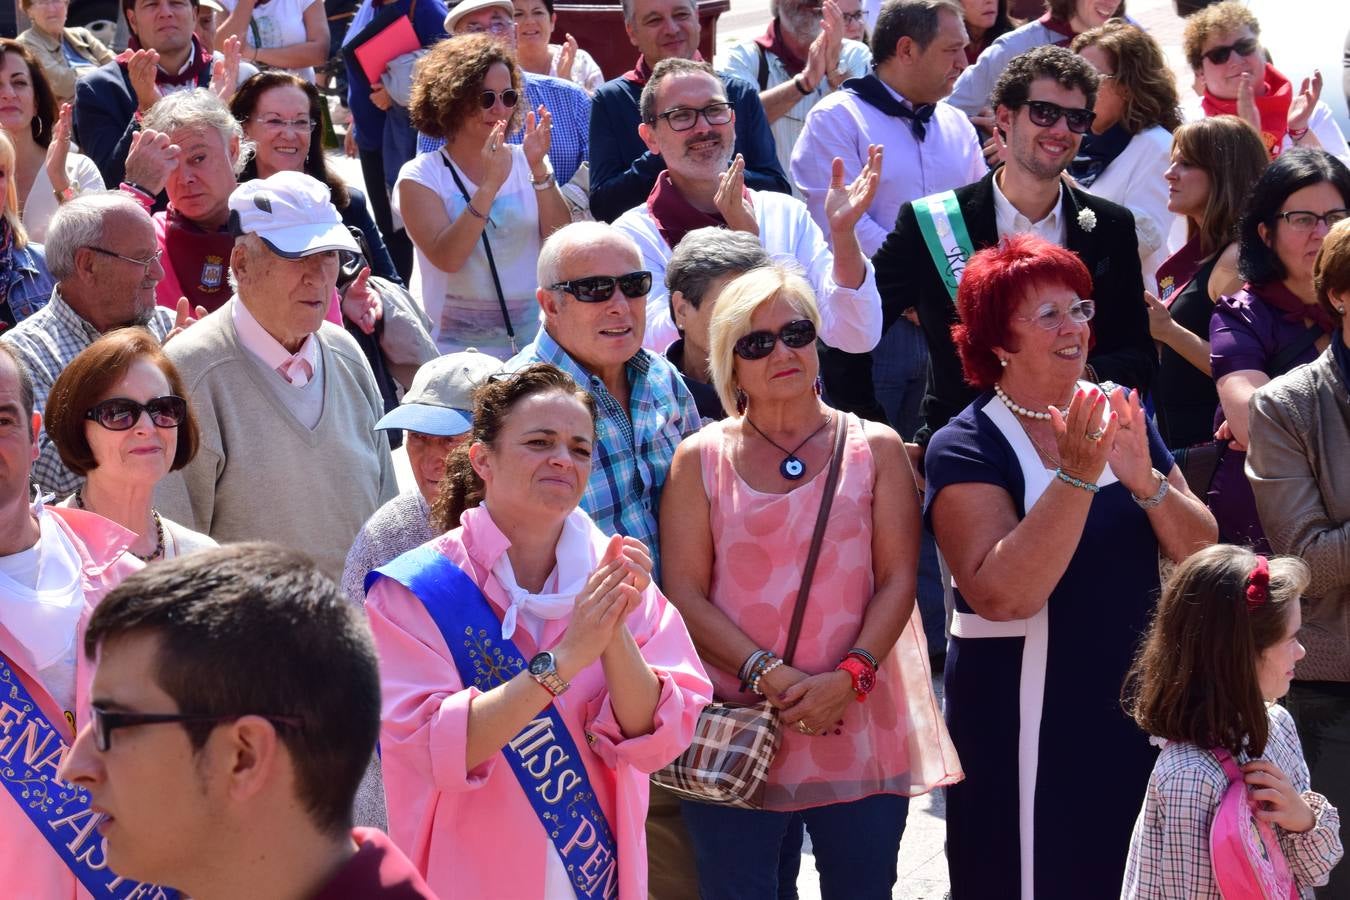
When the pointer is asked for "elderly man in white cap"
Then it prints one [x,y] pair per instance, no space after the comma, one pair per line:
[286,402]
[436,416]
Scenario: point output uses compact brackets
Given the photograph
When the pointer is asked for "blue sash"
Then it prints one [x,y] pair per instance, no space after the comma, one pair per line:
[543,756]
[31,752]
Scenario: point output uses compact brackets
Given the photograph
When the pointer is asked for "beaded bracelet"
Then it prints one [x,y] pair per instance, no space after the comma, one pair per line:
[752,663]
[759,676]
[1076,482]
[475,213]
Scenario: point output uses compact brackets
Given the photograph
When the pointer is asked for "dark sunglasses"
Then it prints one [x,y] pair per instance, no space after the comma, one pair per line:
[1045,114]
[759,344]
[510,97]
[120,414]
[1244,47]
[599,288]
[105,722]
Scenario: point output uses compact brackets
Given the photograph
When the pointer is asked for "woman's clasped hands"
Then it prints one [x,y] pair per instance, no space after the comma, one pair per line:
[610,596]
[1089,437]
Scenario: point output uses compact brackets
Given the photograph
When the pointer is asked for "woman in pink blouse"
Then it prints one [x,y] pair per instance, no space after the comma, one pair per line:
[516,780]
[861,729]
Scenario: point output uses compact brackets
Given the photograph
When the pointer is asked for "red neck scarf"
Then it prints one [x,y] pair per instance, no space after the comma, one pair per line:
[641,71]
[1273,107]
[197,73]
[1060,27]
[675,216]
[772,41]
[200,259]
[1276,294]
[1179,269]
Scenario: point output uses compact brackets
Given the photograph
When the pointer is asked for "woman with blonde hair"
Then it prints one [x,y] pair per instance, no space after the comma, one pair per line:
[861,732]
[25,283]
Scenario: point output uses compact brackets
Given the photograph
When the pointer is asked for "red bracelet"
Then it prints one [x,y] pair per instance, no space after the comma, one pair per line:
[864,677]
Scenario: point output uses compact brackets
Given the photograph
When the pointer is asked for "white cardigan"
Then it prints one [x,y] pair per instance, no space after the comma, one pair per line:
[1134,179]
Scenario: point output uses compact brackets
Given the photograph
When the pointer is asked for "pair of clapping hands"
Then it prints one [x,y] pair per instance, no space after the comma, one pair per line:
[610,596]
[844,203]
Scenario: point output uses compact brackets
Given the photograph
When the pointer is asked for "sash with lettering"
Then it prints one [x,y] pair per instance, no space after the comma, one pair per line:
[58,810]
[543,757]
[944,233]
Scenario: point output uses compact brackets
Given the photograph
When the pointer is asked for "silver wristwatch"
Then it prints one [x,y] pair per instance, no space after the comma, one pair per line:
[544,669]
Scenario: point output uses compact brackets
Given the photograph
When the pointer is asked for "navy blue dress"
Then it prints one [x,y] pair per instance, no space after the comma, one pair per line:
[1055,770]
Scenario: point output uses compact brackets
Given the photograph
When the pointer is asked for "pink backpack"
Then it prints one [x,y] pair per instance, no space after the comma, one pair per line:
[1244,851]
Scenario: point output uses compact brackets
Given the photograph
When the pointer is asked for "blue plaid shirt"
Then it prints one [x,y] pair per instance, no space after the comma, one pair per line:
[571,109]
[633,449]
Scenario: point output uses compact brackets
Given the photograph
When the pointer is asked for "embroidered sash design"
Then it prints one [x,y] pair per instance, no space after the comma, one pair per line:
[31,752]
[543,757]
[944,232]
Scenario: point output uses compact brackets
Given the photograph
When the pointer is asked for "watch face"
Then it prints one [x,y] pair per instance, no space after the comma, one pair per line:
[542,663]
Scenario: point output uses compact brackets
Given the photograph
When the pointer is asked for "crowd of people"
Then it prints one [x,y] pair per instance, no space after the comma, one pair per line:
[627,456]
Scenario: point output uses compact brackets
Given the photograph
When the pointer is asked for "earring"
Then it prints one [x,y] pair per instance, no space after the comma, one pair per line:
[819,385]
[1002,361]
[741,402]
[1340,310]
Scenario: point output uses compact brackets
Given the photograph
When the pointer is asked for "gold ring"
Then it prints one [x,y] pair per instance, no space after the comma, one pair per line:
[1096,435]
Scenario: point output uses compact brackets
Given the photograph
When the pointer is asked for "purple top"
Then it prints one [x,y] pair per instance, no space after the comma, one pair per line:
[1245,332]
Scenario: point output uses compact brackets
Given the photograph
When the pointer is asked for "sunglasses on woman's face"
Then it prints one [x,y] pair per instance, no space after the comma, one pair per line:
[1244,48]
[1045,114]
[759,344]
[509,97]
[120,413]
[599,288]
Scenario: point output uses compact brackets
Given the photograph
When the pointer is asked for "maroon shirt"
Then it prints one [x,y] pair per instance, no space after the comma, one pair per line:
[378,871]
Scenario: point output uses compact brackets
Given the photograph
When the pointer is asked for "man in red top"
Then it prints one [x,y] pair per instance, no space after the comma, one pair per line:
[234,708]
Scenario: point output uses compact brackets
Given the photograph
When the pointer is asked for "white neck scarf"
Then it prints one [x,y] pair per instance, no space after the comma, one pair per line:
[43,616]
[573,564]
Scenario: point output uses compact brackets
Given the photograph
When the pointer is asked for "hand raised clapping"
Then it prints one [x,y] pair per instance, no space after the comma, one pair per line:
[731,200]
[1084,442]
[846,203]
[538,137]
[603,606]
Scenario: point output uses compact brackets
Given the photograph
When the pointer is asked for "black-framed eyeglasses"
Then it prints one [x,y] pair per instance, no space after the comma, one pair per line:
[682,118]
[852,18]
[144,263]
[1219,55]
[759,344]
[599,288]
[1306,220]
[1045,114]
[122,413]
[105,722]
[510,97]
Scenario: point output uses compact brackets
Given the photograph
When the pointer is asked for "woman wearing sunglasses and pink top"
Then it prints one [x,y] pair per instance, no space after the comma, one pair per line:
[119,418]
[478,209]
[861,731]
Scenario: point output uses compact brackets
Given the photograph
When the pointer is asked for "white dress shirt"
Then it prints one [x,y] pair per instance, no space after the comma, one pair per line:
[298,368]
[1009,220]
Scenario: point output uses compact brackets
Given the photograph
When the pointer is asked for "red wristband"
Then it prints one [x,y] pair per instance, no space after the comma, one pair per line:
[864,676]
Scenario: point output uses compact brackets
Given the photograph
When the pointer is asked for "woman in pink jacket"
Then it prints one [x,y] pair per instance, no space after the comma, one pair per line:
[508,778]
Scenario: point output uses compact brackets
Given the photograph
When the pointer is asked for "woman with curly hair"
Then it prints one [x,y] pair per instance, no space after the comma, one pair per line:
[1125,156]
[478,209]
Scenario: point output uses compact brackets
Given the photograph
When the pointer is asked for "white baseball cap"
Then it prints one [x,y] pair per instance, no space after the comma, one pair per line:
[292,212]
[464,7]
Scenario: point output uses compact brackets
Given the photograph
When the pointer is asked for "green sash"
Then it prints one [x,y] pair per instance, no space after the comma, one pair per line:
[944,233]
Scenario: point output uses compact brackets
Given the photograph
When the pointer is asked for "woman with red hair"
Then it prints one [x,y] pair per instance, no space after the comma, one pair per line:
[1051,498]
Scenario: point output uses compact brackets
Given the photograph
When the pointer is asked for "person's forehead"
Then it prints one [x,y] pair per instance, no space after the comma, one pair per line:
[606,256]
[1048,89]
[484,17]
[283,96]
[690,89]
[132,233]
[1220,37]
[644,8]
[124,676]
[193,138]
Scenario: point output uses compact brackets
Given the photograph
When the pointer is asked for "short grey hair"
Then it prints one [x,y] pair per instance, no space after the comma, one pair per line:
[914,19]
[79,223]
[707,254]
[668,68]
[571,237]
[199,110]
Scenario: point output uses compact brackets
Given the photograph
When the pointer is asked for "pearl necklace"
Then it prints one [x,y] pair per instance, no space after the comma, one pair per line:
[1018,408]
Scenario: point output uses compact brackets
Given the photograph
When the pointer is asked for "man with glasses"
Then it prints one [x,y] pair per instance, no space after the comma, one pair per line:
[102,250]
[1234,77]
[285,402]
[55,566]
[233,709]
[688,122]
[1043,102]
[623,169]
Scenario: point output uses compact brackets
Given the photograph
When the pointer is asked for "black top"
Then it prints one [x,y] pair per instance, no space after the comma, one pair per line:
[1184,397]
[705,395]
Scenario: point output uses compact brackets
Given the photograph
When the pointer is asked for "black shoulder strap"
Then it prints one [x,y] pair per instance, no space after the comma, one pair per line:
[763,67]
[487,248]
[1283,360]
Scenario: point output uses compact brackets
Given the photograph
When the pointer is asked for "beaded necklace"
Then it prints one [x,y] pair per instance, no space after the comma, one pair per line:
[159,529]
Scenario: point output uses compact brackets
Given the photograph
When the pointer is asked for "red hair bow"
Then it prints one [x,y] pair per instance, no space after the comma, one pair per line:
[1258,583]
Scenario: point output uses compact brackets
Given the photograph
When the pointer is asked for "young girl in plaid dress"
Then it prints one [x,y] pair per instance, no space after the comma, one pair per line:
[1221,650]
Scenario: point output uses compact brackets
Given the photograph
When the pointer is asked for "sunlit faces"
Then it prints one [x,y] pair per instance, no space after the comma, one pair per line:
[143,453]
[18,443]
[199,186]
[205,28]
[1297,250]
[980,14]
[17,102]
[163,25]
[941,62]
[1089,14]
[496,21]
[599,336]
[162,800]
[49,15]
[1042,151]
[540,460]
[694,322]
[801,17]
[1110,105]
[786,371]
[1275,664]
[1222,79]
[288,297]
[426,456]
[703,151]
[1045,356]
[127,289]
[497,80]
[534,23]
[662,29]
[1188,188]
[281,146]
[855,23]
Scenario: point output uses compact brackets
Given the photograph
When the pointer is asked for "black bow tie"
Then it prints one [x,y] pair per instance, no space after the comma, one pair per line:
[871,90]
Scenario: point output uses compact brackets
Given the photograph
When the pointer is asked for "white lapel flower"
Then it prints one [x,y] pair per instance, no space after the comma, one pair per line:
[1087,219]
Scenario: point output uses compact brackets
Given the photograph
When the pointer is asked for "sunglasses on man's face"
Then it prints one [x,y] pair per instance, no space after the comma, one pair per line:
[759,344]
[599,288]
[509,97]
[1046,114]
[1244,48]
[121,413]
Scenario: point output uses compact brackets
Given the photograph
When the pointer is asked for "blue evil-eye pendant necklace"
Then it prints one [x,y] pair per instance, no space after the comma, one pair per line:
[791,467]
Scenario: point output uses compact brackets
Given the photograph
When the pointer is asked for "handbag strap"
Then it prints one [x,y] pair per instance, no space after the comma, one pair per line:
[487,248]
[1285,357]
[818,536]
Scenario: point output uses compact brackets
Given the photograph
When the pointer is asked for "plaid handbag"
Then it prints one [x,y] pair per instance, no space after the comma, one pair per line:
[734,743]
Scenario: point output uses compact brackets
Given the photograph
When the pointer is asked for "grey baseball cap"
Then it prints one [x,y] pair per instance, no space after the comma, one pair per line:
[440,399]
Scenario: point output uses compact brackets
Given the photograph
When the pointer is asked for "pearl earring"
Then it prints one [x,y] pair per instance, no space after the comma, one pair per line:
[1003,362]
